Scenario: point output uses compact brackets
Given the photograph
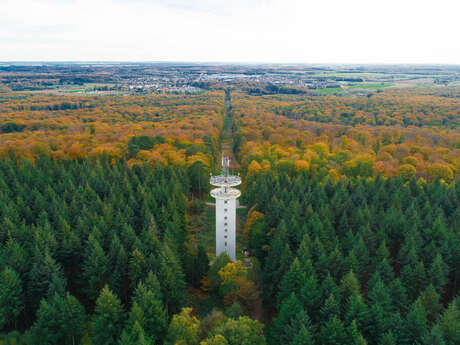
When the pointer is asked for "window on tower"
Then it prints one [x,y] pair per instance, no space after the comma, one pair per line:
[225,201]
[225,224]
[226,244]
[225,210]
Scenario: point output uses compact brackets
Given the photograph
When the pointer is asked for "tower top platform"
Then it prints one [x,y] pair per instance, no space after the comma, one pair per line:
[225,179]
[227,193]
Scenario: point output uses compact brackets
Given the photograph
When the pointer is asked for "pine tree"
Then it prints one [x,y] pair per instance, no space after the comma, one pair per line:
[292,281]
[333,332]
[357,310]
[387,339]
[449,323]
[435,337]
[135,335]
[15,256]
[172,280]
[153,285]
[94,268]
[430,300]
[289,309]
[416,322]
[349,286]
[310,297]
[108,318]
[381,310]
[59,321]
[45,277]
[354,335]
[414,279]
[303,337]
[277,263]
[155,323]
[330,308]
[118,261]
[438,273]
[11,298]
[138,267]
[134,332]
[399,295]
[202,265]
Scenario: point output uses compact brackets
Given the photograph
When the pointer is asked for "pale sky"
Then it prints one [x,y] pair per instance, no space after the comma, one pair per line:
[303,31]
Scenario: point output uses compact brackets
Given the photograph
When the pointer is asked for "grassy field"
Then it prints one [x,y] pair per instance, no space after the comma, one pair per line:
[357,74]
[334,90]
[375,86]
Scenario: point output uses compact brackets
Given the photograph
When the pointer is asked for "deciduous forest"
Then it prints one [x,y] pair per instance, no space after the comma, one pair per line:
[350,233]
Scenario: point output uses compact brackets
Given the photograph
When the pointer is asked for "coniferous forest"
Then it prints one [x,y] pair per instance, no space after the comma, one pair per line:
[350,231]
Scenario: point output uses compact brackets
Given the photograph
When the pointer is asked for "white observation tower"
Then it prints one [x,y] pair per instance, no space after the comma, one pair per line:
[225,197]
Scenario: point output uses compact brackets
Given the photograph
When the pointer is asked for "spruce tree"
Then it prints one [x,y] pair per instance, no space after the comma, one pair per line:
[11,298]
[95,268]
[278,260]
[45,277]
[357,310]
[438,273]
[60,320]
[289,309]
[292,281]
[172,280]
[303,337]
[202,265]
[310,297]
[155,321]
[430,301]
[135,335]
[387,339]
[330,308]
[107,321]
[333,332]
[416,321]
[449,323]
[435,337]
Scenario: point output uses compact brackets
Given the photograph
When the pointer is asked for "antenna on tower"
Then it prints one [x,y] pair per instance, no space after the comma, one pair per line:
[225,165]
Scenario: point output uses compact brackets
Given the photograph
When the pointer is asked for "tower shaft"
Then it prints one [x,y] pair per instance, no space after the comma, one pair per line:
[226,227]
[225,197]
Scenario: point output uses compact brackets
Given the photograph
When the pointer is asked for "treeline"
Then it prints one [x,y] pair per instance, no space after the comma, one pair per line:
[357,261]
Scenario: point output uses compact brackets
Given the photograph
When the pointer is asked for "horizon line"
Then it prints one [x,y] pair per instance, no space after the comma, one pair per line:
[225,62]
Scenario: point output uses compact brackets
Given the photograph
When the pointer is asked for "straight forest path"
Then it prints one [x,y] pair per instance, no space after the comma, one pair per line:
[227,134]
[227,150]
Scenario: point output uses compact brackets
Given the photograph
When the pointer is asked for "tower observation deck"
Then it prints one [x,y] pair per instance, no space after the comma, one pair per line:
[225,197]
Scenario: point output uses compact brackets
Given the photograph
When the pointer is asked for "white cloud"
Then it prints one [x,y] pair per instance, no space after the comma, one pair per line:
[329,31]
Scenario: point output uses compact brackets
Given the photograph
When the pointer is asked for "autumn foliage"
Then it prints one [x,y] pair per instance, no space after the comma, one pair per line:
[411,133]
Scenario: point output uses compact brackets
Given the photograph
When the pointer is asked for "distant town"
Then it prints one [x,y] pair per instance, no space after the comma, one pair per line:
[129,78]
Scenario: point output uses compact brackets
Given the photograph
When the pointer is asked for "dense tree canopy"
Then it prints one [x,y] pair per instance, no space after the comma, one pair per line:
[351,225]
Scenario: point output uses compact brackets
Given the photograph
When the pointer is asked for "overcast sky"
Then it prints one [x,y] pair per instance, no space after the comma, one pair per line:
[306,31]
